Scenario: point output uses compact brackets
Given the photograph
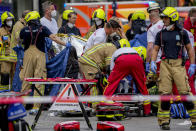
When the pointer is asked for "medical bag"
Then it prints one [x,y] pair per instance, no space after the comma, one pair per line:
[109,126]
[67,126]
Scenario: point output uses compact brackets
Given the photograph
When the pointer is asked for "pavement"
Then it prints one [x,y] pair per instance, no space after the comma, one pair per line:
[46,123]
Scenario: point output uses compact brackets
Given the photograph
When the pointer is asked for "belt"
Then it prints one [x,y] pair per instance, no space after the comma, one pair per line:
[124,54]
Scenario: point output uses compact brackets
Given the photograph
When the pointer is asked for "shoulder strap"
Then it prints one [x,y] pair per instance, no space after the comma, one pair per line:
[35,36]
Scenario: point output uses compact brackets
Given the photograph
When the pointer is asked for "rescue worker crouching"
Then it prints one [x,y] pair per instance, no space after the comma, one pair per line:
[172,40]
[128,61]
[102,35]
[99,20]
[7,59]
[34,62]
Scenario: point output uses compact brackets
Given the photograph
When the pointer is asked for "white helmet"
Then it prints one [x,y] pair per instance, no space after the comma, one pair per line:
[153,6]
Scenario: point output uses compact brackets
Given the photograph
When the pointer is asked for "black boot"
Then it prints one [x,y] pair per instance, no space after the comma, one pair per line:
[193,126]
[165,126]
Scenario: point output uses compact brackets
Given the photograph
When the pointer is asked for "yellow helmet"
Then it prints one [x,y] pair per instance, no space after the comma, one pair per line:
[99,13]
[170,12]
[124,43]
[66,13]
[33,15]
[138,15]
[141,51]
[6,15]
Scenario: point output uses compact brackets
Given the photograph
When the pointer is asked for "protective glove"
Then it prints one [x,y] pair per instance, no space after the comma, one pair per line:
[147,67]
[191,70]
[153,67]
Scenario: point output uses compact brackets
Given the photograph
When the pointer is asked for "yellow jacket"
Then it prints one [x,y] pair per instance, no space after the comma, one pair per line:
[15,36]
[5,49]
[99,55]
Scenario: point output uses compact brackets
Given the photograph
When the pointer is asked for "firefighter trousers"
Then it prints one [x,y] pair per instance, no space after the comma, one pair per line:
[171,71]
[125,65]
[34,66]
[6,74]
[89,72]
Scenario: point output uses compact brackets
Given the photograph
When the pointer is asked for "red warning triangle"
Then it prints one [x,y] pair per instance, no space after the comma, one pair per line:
[67,95]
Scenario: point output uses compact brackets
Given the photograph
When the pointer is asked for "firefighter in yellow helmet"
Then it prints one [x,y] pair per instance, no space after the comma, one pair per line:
[128,61]
[172,40]
[68,27]
[7,61]
[99,20]
[21,23]
[34,62]
[138,25]
[65,16]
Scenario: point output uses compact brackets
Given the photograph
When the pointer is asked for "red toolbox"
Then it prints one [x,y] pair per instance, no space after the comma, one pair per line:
[67,126]
[109,126]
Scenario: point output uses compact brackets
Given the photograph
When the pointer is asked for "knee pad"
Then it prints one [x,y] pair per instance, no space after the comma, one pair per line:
[5,79]
[189,105]
[165,105]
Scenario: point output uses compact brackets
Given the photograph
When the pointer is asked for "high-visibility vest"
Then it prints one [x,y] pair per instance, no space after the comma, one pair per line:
[10,57]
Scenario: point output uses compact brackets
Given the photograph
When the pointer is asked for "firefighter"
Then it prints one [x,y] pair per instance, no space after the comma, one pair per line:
[34,62]
[172,40]
[128,61]
[70,27]
[65,16]
[7,59]
[138,25]
[21,23]
[99,19]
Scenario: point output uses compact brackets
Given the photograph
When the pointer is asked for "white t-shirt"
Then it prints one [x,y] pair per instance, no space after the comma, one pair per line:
[191,38]
[98,37]
[119,52]
[151,35]
[51,25]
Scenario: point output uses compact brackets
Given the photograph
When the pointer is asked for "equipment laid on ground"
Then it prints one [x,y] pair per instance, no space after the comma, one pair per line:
[110,111]
[19,125]
[109,126]
[12,113]
[178,111]
[67,126]
[128,88]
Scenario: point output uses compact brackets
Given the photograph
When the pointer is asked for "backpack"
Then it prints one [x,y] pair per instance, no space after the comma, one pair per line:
[178,111]
[15,113]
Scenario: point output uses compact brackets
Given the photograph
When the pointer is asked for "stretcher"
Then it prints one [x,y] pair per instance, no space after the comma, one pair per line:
[61,81]
[126,88]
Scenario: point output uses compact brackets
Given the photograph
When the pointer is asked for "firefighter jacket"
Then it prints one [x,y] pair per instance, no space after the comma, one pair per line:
[5,49]
[98,56]
[15,37]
